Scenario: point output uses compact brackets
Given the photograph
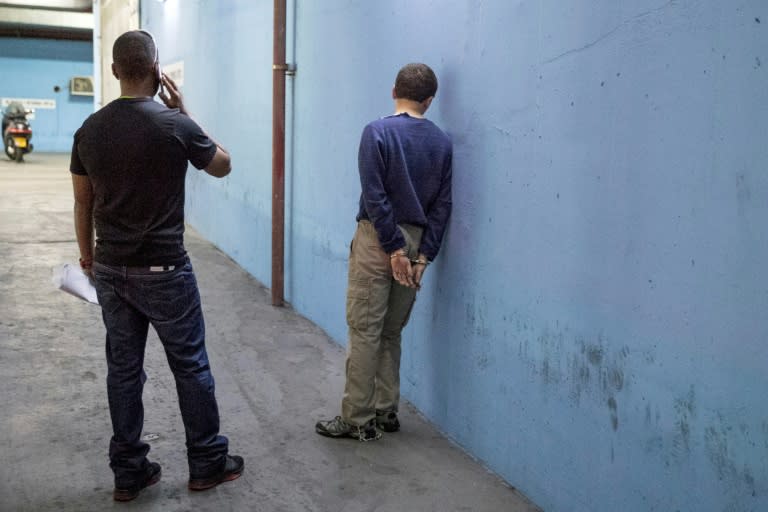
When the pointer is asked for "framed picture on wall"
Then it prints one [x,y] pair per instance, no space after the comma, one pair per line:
[81,86]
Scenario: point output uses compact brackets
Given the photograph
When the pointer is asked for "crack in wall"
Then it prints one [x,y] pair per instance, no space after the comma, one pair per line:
[608,34]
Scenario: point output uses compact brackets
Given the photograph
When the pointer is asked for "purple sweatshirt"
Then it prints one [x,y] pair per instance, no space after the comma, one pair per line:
[405,173]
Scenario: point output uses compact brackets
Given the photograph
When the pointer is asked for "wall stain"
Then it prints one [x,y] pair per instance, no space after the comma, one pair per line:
[477,331]
[483,361]
[595,355]
[613,407]
[615,379]
[719,452]
[743,191]
[596,370]
[654,445]
[649,355]
[545,371]
[685,411]
[765,434]
[559,359]
[476,324]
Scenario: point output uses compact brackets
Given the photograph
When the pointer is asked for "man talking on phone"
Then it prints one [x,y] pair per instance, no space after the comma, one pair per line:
[128,167]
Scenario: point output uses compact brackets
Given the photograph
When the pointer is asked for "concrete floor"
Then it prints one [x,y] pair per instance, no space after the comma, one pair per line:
[276,373]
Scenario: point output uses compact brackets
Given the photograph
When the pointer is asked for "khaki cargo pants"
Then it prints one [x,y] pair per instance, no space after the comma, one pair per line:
[378,308]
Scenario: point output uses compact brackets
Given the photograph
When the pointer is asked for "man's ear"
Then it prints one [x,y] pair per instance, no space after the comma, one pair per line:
[394,96]
[427,102]
[114,71]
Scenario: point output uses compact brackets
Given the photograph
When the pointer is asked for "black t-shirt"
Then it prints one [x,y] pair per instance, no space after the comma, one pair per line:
[135,153]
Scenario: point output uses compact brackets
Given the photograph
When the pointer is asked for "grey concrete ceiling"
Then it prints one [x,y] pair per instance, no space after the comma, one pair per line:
[57,19]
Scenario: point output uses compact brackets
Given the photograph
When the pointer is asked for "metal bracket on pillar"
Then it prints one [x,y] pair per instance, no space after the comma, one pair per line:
[290,69]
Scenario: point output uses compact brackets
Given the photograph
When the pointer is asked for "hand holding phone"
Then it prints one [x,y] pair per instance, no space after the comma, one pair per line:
[170,94]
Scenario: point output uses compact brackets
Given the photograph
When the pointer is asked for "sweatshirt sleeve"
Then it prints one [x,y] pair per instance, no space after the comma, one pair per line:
[439,213]
[372,167]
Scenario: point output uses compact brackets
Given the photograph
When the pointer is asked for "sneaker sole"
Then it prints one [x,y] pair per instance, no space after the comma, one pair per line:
[204,486]
[325,433]
[124,495]
[346,435]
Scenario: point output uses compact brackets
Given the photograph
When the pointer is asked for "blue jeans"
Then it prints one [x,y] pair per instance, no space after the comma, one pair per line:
[131,298]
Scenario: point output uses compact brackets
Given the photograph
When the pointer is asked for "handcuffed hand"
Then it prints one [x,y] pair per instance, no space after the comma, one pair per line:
[419,266]
[402,270]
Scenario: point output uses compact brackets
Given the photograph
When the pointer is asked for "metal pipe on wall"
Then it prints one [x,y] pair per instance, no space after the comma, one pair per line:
[279,68]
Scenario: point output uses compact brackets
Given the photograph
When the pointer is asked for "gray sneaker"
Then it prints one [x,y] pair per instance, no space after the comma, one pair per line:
[337,427]
[387,421]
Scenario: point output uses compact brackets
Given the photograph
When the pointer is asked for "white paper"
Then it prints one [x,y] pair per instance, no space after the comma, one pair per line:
[71,279]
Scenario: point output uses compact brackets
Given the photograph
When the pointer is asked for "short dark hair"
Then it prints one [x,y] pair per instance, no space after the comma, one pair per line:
[134,55]
[415,82]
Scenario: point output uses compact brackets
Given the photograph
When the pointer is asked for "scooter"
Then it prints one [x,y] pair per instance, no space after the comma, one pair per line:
[16,132]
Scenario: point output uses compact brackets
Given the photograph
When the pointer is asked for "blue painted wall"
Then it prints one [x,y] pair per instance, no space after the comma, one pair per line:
[227,54]
[31,68]
[595,329]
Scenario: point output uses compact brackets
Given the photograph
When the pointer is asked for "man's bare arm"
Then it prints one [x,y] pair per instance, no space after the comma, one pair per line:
[221,163]
[83,190]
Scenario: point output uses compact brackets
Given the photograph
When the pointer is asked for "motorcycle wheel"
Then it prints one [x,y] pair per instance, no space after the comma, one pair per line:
[8,145]
[19,156]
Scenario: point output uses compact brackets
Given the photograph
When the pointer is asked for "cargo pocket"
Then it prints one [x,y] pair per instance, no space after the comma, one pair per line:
[358,295]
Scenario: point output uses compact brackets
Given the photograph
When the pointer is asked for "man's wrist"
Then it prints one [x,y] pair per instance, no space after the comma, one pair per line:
[86,263]
[398,253]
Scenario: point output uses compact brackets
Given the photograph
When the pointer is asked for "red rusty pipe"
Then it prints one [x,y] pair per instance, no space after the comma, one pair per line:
[279,69]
